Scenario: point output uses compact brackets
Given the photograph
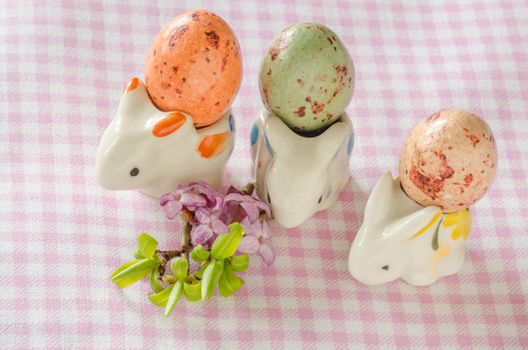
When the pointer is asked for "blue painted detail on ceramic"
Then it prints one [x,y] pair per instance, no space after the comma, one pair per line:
[254,134]
[231,123]
[337,152]
[268,146]
[350,144]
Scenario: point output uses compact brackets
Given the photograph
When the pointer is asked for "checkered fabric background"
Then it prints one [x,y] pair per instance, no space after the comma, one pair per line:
[63,65]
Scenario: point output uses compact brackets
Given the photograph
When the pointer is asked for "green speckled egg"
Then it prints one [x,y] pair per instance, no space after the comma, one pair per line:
[307,77]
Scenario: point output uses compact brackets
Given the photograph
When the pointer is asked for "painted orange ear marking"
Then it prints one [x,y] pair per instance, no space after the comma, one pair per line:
[132,84]
[212,145]
[169,124]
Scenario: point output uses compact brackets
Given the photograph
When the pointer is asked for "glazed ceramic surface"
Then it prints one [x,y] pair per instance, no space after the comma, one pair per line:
[307,77]
[194,65]
[401,239]
[298,175]
[449,160]
[152,150]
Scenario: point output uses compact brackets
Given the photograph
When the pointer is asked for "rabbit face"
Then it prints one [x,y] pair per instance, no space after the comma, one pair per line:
[294,191]
[297,182]
[373,261]
[395,238]
[133,150]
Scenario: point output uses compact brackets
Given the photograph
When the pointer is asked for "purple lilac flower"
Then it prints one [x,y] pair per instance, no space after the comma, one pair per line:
[239,205]
[190,197]
[212,213]
[257,239]
[208,226]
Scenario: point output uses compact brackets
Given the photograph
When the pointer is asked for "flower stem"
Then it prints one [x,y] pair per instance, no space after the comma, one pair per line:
[166,255]
[186,240]
[186,245]
[169,254]
[248,189]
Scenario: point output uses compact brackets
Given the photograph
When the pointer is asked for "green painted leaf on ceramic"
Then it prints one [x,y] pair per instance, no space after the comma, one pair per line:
[192,292]
[199,253]
[180,268]
[160,298]
[154,281]
[240,263]
[174,297]
[146,246]
[229,283]
[225,245]
[211,275]
[132,272]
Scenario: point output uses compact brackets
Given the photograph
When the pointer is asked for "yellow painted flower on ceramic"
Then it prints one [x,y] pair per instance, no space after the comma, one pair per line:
[462,222]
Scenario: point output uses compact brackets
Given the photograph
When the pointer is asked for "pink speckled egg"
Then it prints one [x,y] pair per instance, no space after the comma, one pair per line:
[449,160]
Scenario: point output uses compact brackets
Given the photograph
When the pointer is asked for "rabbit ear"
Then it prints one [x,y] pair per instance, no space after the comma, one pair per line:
[135,101]
[414,224]
[330,141]
[132,85]
[280,139]
[379,199]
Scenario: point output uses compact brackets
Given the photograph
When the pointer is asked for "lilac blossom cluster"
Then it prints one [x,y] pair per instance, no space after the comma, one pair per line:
[211,212]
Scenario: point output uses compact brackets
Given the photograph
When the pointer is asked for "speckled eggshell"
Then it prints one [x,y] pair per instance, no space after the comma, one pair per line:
[307,77]
[194,65]
[449,160]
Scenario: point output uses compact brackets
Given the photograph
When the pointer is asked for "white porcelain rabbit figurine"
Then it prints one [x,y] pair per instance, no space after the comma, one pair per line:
[155,151]
[401,239]
[298,175]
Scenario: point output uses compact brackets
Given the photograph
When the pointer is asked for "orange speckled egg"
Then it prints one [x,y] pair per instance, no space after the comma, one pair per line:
[449,160]
[194,66]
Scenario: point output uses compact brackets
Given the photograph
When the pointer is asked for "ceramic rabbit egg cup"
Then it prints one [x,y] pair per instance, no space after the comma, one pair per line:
[415,226]
[155,151]
[299,175]
[402,239]
[177,127]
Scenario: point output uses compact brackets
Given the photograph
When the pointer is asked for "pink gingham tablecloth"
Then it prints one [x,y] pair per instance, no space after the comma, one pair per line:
[62,67]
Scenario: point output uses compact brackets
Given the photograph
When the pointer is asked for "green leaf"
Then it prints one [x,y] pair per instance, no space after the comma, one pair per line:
[132,272]
[240,263]
[123,267]
[226,244]
[199,273]
[174,296]
[199,253]
[146,246]
[229,282]
[211,275]
[154,281]
[192,292]
[160,298]
[180,268]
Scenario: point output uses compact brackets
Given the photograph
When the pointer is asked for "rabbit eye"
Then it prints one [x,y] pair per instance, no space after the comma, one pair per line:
[269,199]
[386,267]
[134,172]
[320,199]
